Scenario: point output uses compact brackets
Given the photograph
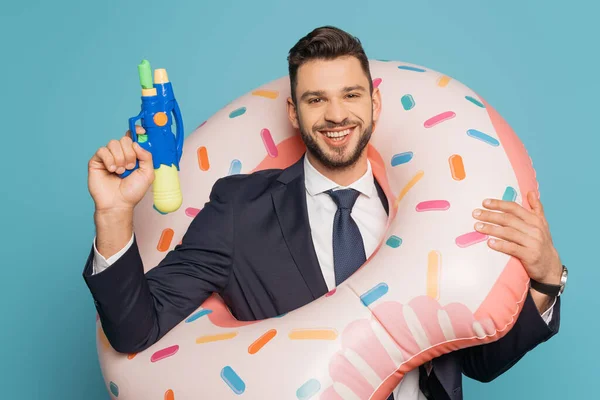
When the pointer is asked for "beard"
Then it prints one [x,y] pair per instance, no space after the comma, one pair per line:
[337,160]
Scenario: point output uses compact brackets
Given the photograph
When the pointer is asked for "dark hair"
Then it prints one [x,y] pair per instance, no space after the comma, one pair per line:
[325,43]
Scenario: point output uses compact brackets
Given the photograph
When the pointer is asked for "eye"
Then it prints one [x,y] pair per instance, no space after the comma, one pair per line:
[312,101]
[353,95]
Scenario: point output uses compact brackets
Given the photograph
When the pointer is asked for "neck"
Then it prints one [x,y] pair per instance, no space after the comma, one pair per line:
[342,176]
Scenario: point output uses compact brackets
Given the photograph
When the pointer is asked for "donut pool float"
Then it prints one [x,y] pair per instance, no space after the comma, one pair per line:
[432,286]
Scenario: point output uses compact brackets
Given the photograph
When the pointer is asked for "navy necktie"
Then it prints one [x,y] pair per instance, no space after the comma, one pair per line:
[348,246]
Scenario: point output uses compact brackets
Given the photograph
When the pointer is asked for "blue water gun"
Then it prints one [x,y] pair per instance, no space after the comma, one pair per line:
[159,107]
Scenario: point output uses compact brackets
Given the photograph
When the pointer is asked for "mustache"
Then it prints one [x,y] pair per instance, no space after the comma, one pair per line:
[330,125]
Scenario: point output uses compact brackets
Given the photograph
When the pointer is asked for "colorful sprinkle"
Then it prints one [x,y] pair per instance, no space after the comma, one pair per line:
[279,316]
[470,238]
[235,167]
[510,194]
[376,82]
[434,260]
[308,390]
[483,137]
[160,212]
[215,338]
[433,205]
[197,315]
[164,353]
[394,241]
[409,68]
[268,142]
[457,167]
[408,103]
[262,341]
[374,294]
[203,162]
[233,380]
[169,395]
[402,158]
[238,112]
[443,81]
[313,334]
[202,124]
[165,240]
[269,94]
[331,292]
[191,211]
[475,101]
[131,356]
[408,186]
[114,389]
[433,121]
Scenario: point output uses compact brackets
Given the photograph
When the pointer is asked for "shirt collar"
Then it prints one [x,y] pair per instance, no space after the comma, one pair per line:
[318,183]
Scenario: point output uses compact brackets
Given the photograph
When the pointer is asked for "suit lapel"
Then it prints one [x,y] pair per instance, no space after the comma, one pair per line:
[382,197]
[289,201]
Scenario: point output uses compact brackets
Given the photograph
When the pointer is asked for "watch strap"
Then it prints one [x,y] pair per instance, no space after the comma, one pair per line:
[550,290]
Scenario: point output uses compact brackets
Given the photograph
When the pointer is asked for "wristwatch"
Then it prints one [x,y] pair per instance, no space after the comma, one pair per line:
[551,290]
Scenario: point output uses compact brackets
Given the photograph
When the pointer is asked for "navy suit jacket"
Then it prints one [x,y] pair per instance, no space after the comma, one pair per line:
[252,245]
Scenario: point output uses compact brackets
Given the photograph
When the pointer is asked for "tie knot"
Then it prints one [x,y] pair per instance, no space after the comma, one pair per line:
[344,198]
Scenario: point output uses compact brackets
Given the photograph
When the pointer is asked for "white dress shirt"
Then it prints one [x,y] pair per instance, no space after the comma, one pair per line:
[371,218]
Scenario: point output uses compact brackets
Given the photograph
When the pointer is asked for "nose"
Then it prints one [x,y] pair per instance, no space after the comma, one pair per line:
[336,112]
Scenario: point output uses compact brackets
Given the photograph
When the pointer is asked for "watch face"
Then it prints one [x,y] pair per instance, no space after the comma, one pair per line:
[563,279]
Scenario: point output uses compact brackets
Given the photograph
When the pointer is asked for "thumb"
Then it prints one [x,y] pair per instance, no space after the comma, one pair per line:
[144,157]
[535,203]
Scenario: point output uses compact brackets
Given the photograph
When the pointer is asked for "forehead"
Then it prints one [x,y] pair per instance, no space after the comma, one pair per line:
[330,75]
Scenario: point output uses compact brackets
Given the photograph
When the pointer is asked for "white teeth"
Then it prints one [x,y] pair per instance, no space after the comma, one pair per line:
[337,134]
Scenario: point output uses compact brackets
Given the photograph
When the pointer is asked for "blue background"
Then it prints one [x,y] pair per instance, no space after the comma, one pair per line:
[69,83]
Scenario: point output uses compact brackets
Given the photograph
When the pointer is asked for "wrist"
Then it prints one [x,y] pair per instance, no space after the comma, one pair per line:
[553,277]
[113,212]
[551,285]
[114,229]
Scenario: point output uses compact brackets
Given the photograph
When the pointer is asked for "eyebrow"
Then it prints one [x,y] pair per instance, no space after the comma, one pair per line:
[319,93]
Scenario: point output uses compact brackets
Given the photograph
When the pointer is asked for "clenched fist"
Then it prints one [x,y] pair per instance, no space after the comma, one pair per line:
[109,191]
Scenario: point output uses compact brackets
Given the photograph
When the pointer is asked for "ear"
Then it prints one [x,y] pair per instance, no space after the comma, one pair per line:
[292,113]
[376,106]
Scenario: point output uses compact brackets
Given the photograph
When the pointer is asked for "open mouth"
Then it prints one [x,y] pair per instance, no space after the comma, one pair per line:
[338,136]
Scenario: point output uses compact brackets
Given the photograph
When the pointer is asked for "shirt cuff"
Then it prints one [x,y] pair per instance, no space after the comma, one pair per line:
[547,315]
[100,263]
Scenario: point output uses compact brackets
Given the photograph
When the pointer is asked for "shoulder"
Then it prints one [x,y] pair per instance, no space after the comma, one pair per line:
[246,186]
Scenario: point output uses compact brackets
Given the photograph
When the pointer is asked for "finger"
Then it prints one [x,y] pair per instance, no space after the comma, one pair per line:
[535,203]
[503,219]
[105,158]
[138,130]
[130,157]
[117,152]
[144,156]
[512,208]
[510,248]
[506,233]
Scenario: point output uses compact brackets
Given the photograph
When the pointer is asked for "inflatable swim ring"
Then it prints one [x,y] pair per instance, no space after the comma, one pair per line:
[432,286]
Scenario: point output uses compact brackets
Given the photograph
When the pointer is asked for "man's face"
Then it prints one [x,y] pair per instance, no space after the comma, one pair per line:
[334,110]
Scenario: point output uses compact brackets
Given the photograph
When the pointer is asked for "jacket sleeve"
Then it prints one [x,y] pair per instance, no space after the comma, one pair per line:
[138,309]
[486,362]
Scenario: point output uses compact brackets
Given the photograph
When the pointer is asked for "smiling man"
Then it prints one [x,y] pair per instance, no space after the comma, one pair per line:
[320,218]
